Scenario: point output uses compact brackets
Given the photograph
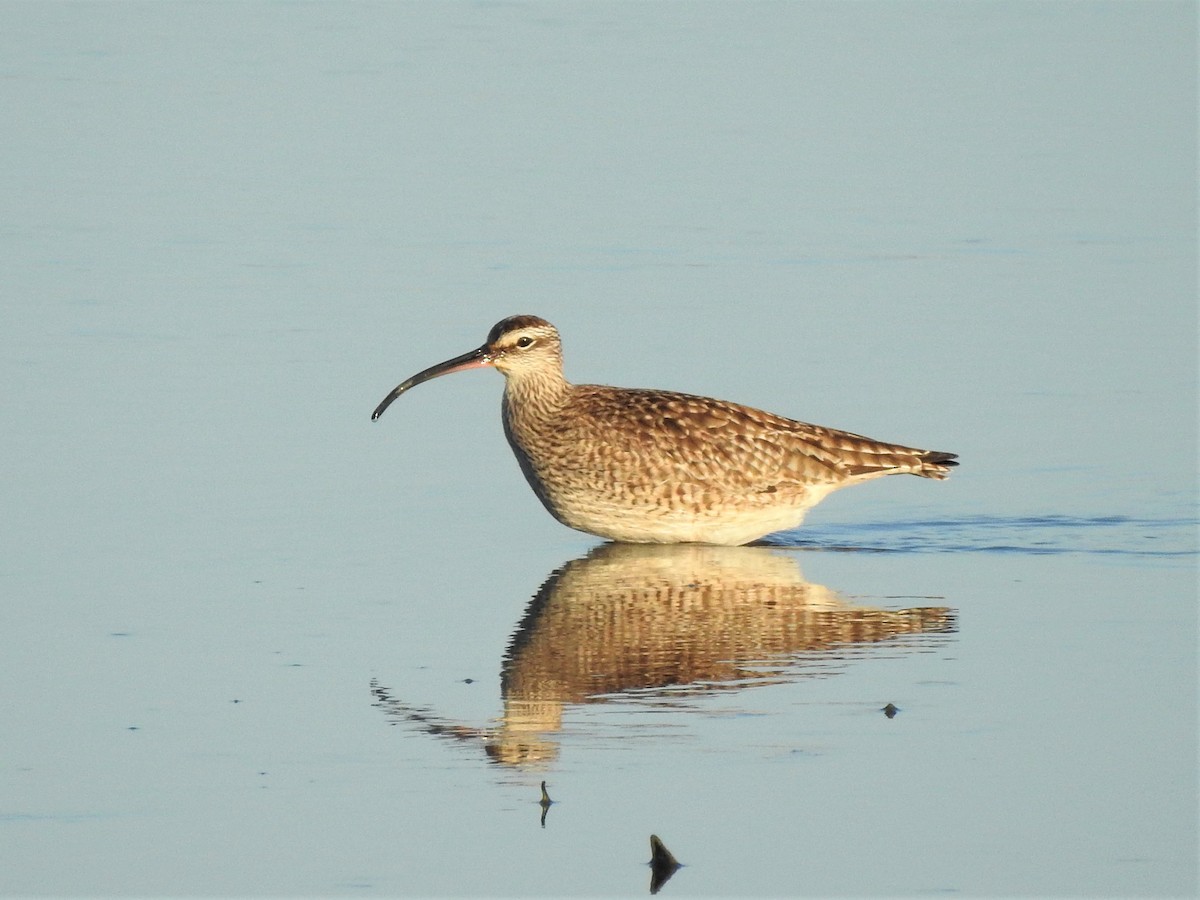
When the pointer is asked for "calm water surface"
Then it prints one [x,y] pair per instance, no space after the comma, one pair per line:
[253,644]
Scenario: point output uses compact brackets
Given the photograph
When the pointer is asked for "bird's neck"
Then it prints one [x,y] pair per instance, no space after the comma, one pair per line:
[536,395]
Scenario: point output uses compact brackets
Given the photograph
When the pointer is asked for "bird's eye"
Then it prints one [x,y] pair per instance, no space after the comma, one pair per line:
[524,342]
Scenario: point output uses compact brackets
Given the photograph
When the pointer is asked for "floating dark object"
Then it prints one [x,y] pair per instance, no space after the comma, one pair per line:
[890,710]
[663,864]
[545,803]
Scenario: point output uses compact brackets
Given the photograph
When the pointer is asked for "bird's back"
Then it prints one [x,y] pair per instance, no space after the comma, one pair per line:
[658,465]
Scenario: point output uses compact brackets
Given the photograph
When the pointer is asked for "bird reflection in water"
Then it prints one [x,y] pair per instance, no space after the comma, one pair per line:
[665,622]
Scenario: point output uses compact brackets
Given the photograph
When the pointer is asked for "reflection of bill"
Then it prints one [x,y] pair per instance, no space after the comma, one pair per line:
[666,619]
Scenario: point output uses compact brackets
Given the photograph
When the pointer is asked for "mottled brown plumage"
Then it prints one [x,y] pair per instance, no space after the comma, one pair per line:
[648,466]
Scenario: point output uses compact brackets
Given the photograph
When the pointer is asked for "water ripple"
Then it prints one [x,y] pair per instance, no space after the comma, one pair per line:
[1121,536]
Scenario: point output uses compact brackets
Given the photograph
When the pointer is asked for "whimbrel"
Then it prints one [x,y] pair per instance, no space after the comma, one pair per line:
[646,466]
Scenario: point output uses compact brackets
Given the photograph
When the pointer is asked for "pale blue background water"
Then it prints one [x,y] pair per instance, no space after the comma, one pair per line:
[229,229]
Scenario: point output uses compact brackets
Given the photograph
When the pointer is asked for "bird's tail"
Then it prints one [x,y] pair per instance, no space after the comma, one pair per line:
[861,457]
[936,464]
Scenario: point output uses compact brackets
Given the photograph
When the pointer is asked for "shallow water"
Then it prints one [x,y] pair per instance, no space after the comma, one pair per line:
[252,643]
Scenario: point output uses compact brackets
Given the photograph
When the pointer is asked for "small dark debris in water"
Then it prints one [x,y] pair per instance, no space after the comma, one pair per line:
[468,681]
[120,634]
[663,864]
[890,710]
[235,700]
[133,728]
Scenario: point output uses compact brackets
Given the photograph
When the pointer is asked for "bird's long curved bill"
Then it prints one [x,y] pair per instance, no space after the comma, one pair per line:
[472,360]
